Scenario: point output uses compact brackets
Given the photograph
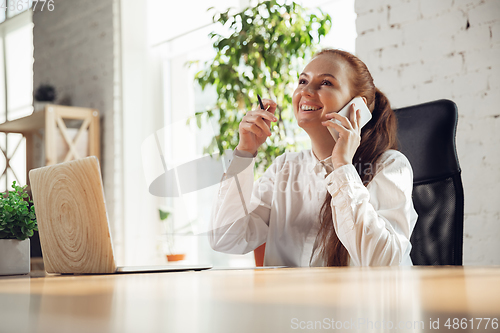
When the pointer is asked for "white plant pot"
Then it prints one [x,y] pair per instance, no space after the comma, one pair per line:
[40,106]
[14,256]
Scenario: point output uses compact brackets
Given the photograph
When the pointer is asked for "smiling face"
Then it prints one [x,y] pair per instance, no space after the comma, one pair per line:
[323,88]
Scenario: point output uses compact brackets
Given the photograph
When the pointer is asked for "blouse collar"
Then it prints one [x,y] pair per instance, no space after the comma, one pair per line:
[320,165]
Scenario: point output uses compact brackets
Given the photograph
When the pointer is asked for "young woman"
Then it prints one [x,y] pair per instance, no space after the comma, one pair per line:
[341,203]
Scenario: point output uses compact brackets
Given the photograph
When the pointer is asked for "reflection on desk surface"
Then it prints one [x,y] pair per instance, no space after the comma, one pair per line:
[265,300]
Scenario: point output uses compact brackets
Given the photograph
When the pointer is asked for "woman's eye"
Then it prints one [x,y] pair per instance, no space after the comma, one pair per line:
[302,81]
[326,83]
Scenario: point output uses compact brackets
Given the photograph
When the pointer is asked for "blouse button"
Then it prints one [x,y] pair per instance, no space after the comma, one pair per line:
[330,183]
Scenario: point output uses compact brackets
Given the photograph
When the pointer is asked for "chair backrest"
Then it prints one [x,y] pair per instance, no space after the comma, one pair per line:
[426,134]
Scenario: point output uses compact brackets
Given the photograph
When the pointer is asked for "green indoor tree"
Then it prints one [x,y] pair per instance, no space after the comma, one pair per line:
[262,54]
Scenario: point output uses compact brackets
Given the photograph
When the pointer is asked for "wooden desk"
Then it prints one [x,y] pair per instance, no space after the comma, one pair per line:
[264,300]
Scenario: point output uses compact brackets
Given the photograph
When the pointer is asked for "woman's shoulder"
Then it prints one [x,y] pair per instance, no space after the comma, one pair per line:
[392,168]
[393,155]
[393,160]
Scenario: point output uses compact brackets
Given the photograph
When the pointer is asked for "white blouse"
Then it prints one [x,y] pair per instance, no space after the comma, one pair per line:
[282,209]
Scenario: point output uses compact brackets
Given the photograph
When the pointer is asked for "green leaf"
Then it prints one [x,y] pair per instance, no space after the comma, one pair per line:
[224,127]
[198,120]
[164,214]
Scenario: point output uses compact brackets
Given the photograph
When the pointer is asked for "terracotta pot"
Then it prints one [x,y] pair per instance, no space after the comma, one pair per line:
[259,255]
[14,256]
[176,257]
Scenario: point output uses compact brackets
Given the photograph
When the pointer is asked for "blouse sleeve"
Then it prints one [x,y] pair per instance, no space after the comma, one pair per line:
[374,223]
[241,210]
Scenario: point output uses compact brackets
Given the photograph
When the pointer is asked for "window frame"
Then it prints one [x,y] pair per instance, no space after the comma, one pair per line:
[8,25]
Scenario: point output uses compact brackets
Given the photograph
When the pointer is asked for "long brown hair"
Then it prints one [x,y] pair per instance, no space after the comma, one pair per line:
[377,136]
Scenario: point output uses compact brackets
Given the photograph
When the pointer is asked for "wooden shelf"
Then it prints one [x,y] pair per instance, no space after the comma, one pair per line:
[24,125]
[37,120]
[56,121]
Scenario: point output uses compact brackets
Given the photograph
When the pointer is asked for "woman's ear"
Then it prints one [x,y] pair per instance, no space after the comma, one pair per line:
[365,100]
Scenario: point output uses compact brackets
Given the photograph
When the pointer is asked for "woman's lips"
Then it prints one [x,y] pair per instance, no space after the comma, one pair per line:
[306,108]
[310,111]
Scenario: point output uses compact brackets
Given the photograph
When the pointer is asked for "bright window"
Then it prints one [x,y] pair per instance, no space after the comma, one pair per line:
[16,91]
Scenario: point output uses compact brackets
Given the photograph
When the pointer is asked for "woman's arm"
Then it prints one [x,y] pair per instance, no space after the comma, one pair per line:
[241,211]
[374,223]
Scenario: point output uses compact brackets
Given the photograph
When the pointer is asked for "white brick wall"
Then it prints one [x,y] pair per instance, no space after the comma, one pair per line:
[74,50]
[422,50]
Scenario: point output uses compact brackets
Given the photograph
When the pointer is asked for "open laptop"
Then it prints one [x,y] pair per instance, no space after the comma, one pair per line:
[73,222]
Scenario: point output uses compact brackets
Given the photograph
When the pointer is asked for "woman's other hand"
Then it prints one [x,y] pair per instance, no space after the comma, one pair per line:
[349,136]
[255,127]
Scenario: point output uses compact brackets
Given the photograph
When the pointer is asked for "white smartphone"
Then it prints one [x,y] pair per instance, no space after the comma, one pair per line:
[365,114]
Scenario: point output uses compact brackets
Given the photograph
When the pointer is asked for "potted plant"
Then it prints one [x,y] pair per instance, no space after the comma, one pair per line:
[17,223]
[45,94]
[165,213]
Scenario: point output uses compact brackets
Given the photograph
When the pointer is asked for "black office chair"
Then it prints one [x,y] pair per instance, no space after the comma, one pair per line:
[426,134]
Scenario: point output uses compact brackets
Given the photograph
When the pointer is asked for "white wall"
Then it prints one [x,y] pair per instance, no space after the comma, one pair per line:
[423,50]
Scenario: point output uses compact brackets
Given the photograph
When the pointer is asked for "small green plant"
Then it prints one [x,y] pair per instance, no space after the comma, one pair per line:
[170,229]
[17,219]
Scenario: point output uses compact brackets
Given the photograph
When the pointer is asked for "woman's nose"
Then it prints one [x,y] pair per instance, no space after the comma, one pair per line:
[308,90]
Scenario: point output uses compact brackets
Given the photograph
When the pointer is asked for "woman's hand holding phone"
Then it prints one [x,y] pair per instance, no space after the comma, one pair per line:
[255,127]
[349,136]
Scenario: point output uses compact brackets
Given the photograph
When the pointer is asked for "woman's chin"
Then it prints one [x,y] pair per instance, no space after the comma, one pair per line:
[309,123]
[313,127]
